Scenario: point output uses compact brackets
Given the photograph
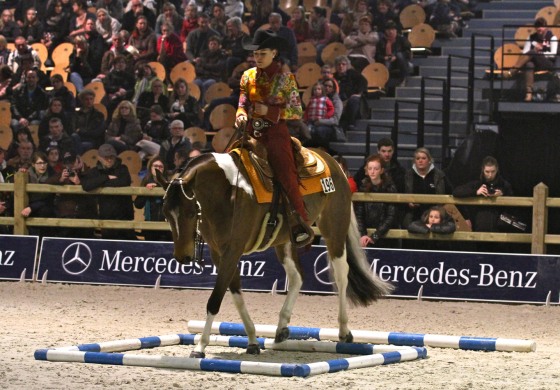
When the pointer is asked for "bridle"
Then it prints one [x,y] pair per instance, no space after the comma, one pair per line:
[198,239]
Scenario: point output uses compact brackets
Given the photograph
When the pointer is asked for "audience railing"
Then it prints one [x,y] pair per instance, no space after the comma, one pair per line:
[540,203]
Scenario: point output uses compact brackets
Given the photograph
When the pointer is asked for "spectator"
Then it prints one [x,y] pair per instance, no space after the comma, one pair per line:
[153,205]
[377,215]
[320,107]
[183,106]
[32,28]
[339,11]
[113,7]
[145,75]
[154,133]
[147,99]
[79,17]
[423,178]
[289,53]
[56,110]
[394,51]
[328,74]
[23,50]
[234,8]
[26,64]
[218,19]
[23,5]
[181,158]
[124,131]
[111,172]
[197,41]
[434,220]
[28,102]
[40,204]
[54,160]
[260,12]
[143,40]
[539,53]
[106,25]
[190,22]
[8,28]
[361,44]
[319,31]
[22,161]
[60,91]
[56,137]
[444,20]
[210,66]
[386,150]
[4,51]
[175,142]
[169,14]
[137,9]
[71,205]
[490,185]
[90,123]
[5,82]
[169,47]
[233,44]
[299,25]
[118,49]
[119,85]
[82,63]
[344,166]
[57,23]
[21,135]
[385,14]
[352,85]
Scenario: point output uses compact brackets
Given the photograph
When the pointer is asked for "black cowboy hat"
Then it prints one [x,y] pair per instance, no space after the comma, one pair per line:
[264,39]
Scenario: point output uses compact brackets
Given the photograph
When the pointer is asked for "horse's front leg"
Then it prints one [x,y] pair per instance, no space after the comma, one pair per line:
[227,268]
[287,255]
[235,289]
[340,271]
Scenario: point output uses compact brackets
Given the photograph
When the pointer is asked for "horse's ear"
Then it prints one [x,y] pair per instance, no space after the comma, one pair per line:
[160,179]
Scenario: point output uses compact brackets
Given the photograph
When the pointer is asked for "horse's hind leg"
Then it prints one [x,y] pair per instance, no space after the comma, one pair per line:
[235,289]
[287,255]
[340,272]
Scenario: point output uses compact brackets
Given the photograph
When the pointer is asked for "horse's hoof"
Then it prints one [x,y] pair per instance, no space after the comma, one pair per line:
[282,335]
[197,355]
[349,338]
[253,349]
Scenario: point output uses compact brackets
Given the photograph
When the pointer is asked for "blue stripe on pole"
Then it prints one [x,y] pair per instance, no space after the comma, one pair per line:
[410,339]
[288,369]
[94,347]
[354,349]
[41,354]
[477,343]
[302,370]
[421,351]
[301,333]
[221,365]
[338,365]
[232,329]
[186,338]
[149,342]
[238,342]
[104,358]
[391,357]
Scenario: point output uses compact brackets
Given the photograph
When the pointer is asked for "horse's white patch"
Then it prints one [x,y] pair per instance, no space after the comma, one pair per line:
[235,178]
[175,214]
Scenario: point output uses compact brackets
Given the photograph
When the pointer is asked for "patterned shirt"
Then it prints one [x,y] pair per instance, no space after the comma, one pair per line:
[272,87]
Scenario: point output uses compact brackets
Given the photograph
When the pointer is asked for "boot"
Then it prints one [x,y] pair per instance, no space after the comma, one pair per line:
[301,234]
[529,96]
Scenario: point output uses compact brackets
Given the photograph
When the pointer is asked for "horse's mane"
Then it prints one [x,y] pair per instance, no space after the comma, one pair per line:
[183,178]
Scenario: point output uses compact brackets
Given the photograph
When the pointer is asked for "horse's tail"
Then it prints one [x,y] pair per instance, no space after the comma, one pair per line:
[364,287]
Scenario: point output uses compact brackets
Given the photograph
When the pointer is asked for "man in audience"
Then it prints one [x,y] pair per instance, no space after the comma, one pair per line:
[57,137]
[351,86]
[111,172]
[394,50]
[197,40]
[28,102]
[290,52]
[137,9]
[22,162]
[22,48]
[89,125]
[173,143]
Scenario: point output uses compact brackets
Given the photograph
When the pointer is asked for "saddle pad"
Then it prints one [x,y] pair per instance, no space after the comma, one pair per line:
[308,186]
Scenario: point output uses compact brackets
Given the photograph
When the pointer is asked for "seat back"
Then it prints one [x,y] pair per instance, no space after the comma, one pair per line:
[217,90]
[183,69]
[331,51]
[422,36]
[222,116]
[412,15]
[376,75]
[308,74]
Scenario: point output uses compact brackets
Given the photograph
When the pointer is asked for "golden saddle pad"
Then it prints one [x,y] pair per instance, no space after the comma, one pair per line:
[311,169]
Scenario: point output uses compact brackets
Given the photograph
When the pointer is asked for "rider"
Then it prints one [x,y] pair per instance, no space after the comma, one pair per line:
[269,96]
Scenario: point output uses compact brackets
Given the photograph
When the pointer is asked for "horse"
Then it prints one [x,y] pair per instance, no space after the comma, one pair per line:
[213,197]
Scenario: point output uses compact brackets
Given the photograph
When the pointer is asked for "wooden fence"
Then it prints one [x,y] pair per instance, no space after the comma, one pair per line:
[539,202]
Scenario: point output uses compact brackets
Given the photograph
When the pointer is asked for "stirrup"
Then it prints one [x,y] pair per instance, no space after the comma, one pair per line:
[302,235]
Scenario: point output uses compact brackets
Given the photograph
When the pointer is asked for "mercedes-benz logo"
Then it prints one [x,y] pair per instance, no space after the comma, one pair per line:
[76,258]
[321,268]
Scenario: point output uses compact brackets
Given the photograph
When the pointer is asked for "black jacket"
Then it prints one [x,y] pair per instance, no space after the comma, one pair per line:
[377,215]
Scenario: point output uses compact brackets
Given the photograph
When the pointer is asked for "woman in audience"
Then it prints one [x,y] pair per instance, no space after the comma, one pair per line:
[153,205]
[169,47]
[361,44]
[377,215]
[319,31]
[169,14]
[106,25]
[57,22]
[183,106]
[124,131]
[299,24]
[144,40]
[79,17]
[32,28]
[5,82]
[53,157]
[157,95]
[81,64]
[56,110]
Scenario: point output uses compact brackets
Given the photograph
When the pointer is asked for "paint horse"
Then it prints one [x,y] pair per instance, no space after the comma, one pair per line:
[213,197]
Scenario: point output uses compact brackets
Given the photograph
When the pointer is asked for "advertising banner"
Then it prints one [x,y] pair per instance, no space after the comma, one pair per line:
[17,254]
[141,263]
[454,275]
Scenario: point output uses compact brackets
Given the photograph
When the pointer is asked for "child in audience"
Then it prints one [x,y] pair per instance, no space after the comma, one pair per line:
[435,220]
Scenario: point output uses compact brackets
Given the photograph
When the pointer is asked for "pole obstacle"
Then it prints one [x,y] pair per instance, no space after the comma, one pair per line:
[362,336]
[108,353]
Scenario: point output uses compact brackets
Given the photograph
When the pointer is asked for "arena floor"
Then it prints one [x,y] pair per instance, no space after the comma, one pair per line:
[35,316]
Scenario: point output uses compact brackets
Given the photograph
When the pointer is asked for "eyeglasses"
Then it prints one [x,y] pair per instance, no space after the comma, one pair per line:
[40,163]
[157,166]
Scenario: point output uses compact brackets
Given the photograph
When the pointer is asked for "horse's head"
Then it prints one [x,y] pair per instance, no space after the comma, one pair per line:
[182,212]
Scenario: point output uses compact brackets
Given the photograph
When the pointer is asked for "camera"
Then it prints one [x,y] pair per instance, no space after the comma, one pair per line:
[71,173]
[491,189]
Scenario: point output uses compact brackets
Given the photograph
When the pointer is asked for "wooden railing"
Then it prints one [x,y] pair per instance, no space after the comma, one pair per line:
[539,202]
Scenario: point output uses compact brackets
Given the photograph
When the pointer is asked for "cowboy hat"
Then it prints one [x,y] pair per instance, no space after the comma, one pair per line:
[264,39]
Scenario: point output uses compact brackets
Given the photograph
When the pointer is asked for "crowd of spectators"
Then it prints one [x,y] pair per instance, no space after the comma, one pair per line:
[113,42]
